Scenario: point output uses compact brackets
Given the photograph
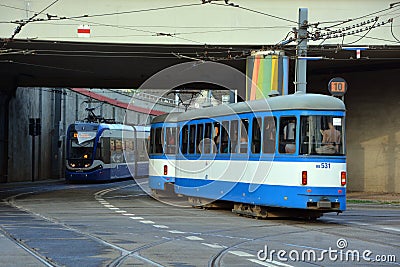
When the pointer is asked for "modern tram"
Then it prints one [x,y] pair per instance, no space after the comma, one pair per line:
[281,156]
[105,152]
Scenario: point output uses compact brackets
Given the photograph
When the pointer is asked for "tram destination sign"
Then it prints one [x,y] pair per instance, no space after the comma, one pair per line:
[337,86]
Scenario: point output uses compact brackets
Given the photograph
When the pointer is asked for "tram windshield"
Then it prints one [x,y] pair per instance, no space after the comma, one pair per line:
[81,145]
[322,135]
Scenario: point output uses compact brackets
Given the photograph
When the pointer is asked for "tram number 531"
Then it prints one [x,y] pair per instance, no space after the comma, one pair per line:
[323,165]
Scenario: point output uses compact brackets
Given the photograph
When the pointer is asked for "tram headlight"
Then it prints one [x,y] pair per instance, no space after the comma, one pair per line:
[72,165]
[87,165]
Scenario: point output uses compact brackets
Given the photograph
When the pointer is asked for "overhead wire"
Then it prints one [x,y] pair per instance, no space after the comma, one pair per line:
[227,4]
[391,31]
[22,24]
[83,19]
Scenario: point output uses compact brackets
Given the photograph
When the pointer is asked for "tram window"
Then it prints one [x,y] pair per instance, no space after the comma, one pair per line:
[158,141]
[170,138]
[98,151]
[199,138]
[287,135]
[129,153]
[256,136]
[225,137]
[127,142]
[178,138]
[269,135]
[185,133]
[105,150]
[233,134]
[244,128]
[151,141]
[323,135]
[207,138]
[192,138]
[117,155]
[216,138]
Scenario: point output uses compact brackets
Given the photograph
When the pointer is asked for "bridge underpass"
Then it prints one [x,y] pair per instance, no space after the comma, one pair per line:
[372,88]
[30,63]
[44,52]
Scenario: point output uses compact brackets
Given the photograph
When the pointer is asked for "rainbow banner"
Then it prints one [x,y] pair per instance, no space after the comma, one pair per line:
[266,73]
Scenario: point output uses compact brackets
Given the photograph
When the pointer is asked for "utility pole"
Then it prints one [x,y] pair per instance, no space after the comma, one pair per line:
[301,52]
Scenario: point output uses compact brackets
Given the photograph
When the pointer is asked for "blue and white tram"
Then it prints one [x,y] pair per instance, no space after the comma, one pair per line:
[269,157]
[103,152]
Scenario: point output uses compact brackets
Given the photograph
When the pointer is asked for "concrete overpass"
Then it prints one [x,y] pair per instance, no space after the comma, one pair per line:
[131,40]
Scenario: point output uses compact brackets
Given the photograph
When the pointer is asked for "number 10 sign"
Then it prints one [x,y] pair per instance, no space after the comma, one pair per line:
[337,86]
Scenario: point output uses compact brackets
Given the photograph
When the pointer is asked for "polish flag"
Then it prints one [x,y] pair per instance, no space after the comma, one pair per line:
[84,31]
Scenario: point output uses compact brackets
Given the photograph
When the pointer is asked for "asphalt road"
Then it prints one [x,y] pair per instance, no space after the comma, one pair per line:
[118,224]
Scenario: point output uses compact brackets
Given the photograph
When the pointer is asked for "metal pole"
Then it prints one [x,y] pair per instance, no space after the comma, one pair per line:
[33,157]
[301,51]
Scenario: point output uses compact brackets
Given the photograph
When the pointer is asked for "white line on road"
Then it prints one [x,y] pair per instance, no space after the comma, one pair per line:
[128,214]
[263,263]
[240,253]
[120,211]
[176,232]
[269,262]
[213,245]
[392,229]
[161,226]
[147,222]
[136,218]
[194,238]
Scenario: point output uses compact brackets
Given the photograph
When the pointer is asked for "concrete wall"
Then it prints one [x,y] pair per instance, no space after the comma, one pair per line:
[29,103]
[374,132]
[197,24]
[373,128]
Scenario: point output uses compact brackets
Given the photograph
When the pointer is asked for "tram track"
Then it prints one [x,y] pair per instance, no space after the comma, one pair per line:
[222,240]
[303,227]
[48,261]
[216,260]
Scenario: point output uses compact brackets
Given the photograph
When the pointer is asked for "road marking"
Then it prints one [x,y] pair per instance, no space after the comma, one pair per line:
[263,263]
[109,206]
[128,214]
[213,245]
[120,211]
[194,238]
[160,226]
[240,253]
[147,222]
[176,232]
[269,262]
[136,218]
[392,229]
[114,208]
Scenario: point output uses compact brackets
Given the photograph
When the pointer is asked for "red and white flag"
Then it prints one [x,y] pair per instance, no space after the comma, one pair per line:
[84,31]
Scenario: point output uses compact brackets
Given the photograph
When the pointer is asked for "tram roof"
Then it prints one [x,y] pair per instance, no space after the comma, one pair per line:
[298,101]
[167,117]
[95,126]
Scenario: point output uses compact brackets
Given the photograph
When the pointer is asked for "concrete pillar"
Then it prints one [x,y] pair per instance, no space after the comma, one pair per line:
[5,96]
[55,145]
